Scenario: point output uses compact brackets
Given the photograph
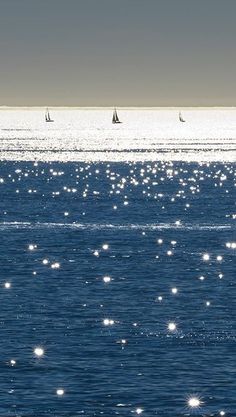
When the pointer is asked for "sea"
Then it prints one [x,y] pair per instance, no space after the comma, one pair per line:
[117,263]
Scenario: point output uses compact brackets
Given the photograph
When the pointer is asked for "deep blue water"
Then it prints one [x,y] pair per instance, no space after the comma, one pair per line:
[154,371]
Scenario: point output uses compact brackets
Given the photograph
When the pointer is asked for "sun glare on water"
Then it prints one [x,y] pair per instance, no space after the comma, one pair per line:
[194,402]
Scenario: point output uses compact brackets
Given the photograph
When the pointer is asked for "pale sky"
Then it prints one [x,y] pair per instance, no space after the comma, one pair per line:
[118,52]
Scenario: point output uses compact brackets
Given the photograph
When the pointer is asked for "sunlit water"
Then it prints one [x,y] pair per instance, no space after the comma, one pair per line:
[143,135]
[117,278]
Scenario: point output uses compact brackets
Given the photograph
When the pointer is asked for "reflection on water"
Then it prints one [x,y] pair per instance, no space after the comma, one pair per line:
[117,288]
[144,135]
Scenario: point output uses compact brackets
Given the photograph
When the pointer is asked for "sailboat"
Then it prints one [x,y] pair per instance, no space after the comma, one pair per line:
[47,116]
[181,118]
[115,118]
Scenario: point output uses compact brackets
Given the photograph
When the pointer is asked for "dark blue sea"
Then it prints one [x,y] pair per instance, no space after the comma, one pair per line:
[117,289]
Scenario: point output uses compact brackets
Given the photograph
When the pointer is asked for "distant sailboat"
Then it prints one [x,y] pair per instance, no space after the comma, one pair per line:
[47,116]
[115,118]
[181,118]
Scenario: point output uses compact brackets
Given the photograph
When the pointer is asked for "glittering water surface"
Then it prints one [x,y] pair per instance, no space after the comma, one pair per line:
[144,135]
[117,289]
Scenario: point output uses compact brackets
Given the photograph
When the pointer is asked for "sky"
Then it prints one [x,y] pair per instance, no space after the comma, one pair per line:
[117,52]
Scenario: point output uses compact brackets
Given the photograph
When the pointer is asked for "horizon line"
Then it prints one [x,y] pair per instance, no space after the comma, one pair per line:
[35,107]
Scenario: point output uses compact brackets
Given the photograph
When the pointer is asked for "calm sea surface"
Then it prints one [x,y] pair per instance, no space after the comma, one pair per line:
[117,288]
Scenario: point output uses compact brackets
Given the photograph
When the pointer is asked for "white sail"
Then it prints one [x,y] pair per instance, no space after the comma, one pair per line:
[115,118]
[181,118]
[47,116]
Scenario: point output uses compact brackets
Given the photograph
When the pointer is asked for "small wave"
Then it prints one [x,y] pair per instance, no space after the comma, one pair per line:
[102,226]
[16,130]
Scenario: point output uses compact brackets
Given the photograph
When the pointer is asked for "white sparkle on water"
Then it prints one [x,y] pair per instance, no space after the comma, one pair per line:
[139,410]
[108,322]
[107,279]
[105,246]
[194,402]
[32,247]
[56,265]
[7,285]
[60,392]
[206,257]
[172,326]
[231,245]
[39,351]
